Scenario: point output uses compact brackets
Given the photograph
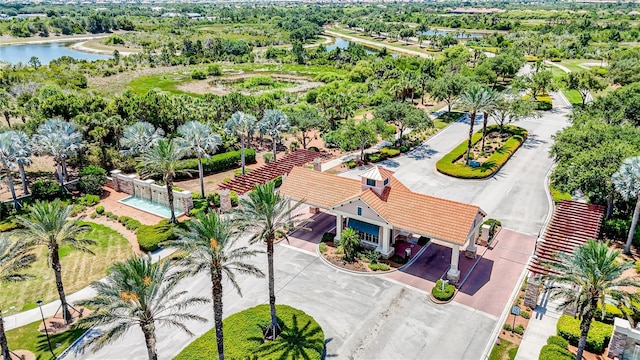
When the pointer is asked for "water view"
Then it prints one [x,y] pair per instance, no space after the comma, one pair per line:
[46,52]
[340,43]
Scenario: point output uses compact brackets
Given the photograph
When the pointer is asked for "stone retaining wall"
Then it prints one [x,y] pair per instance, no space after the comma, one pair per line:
[624,340]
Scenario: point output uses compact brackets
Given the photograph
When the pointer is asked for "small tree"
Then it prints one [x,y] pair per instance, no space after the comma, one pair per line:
[242,126]
[92,179]
[349,240]
[403,116]
[358,135]
[200,140]
[584,82]
[627,182]
[306,121]
[448,88]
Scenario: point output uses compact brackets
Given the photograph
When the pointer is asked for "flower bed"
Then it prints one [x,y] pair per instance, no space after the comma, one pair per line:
[491,159]
[361,263]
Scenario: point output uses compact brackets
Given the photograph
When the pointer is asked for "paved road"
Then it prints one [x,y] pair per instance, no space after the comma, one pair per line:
[516,195]
[363,317]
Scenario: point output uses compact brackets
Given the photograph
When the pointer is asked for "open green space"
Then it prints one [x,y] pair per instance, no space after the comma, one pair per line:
[506,350]
[302,337]
[165,82]
[29,338]
[79,269]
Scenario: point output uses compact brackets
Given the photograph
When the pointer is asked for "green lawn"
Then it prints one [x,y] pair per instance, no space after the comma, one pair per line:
[164,82]
[79,269]
[558,195]
[505,351]
[29,338]
[573,96]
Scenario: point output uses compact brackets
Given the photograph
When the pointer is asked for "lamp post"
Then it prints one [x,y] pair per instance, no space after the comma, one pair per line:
[39,302]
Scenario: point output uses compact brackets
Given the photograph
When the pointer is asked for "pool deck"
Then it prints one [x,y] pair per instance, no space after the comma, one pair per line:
[111,202]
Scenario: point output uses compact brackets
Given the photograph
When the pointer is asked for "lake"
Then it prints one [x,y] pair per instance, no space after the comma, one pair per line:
[340,43]
[44,52]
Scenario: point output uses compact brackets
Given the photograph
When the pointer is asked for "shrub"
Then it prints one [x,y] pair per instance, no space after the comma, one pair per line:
[636,266]
[277,182]
[198,74]
[507,327]
[447,164]
[77,209]
[114,40]
[234,198]
[88,200]
[99,209]
[150,236]
[379,267]
[569,328]
[219,162]
[558,341]
[611,312]
[268,157]
[8,225]
[339,250]
[214,198]
[372,256]
[519,330]
[47,190]
[214,70]
[525,314]
[238,172]
[92,179]
[94,215]
[555,352]
[322,247]
[327,237]
[398,259]
[531,58]
[443,295]
[199,205]
[243,337]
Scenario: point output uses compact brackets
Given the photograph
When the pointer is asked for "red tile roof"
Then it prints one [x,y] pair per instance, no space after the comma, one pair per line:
[442,219]
[572,224]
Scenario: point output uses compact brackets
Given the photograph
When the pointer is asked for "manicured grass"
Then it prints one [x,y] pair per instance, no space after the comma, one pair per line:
[448,166]
[449,117]
[558,195]
[573,96]
[505,351]
[302,337]
[29,338]
[79,269]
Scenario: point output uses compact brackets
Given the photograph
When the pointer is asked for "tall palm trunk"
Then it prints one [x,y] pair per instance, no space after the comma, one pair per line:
[201,174]
[585,324]
[216,290]
[23,178]
[272,288]
[65,173]
[57,270]
[275,150]
[149,331]
[60,177]
[469,143]
[242,153]
[16,204]
[169,184]
[485,118]
[4,346]
[634,224]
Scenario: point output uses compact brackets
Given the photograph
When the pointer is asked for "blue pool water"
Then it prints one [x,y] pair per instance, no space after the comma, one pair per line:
[150,207]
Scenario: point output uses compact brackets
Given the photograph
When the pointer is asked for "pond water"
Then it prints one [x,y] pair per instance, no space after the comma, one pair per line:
[44,52]
[457,36]
[340,43]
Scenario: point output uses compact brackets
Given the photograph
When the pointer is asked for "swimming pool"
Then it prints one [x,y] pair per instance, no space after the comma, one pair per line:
[150,207]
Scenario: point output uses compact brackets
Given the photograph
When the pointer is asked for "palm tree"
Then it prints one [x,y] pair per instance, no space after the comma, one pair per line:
[59,139]
[9,161]
[273,124]
[584,279]
[476,99]
[488,108]
[200,140]
[240,125]
[626,181]
[14,258]
[47,224]
[139,293]
[271,216]
[209,245]
[163,160]
[139,137]
[23,145]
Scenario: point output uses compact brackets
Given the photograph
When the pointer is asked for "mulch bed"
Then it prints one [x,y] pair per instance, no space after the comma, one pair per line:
[56,325]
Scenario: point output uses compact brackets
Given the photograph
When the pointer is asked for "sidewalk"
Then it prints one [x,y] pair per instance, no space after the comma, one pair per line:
[33,315]
[541,325]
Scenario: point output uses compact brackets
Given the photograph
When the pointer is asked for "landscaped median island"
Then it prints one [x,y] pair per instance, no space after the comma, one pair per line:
[301,337]
[499,146]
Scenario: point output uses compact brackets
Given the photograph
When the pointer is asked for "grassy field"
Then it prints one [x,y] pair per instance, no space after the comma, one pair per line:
[165,82]
[505,351]
[29,338]
[79,269]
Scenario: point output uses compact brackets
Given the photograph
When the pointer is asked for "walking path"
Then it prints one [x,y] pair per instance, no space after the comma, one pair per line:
[378,44]
[567,70]
[541,325]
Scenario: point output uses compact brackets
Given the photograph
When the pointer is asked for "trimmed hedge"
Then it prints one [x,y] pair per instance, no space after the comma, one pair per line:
[443,295]
[220,162]
[597,339]
[447,165]
[558,341]
[379,266]
[243,337]
[611,312]
[150,236]
[555,352]
[543,102]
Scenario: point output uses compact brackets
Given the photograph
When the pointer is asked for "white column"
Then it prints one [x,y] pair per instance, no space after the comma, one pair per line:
[454,274]
[338,226]
[385,239]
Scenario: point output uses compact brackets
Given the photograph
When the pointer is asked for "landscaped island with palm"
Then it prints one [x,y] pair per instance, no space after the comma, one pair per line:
[306,181]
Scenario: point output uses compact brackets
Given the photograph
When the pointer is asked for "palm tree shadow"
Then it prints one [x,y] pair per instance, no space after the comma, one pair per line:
[295,342]
[66,337]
